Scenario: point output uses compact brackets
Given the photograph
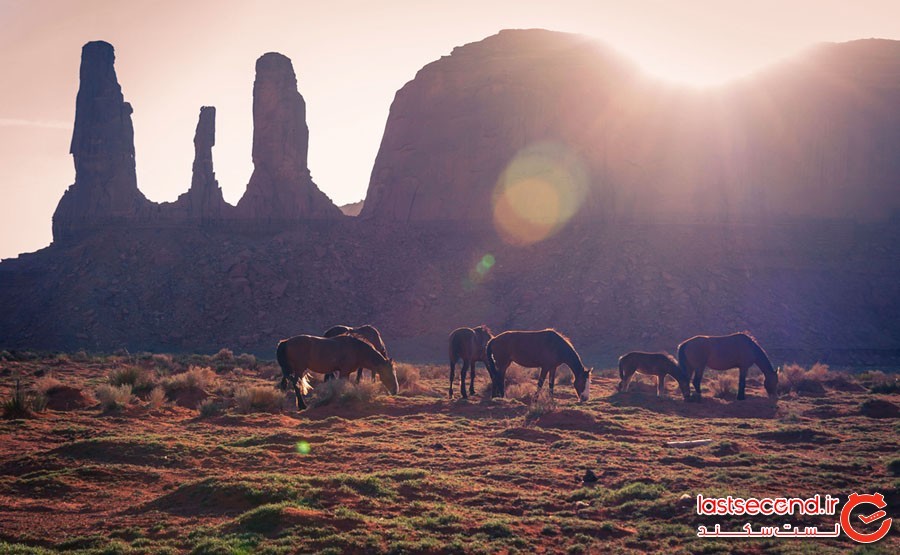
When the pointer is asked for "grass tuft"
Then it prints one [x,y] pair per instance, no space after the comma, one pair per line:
[258,399]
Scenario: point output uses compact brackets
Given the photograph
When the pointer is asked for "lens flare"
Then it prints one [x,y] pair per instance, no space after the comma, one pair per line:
[303,447]
[538,193]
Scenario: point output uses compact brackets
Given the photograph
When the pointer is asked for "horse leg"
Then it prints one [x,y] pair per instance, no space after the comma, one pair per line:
[359,372]
[452,376]
[626,380]
[544,371]
[501,378]
[552,379]
[300,403]
[462,378]
[698,377]
[661,386]
[742,382]
[472,379]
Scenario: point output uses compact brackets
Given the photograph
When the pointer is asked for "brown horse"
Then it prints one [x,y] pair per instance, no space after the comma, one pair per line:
[738,350]
[545,349]
[653,364]
[343,354]
[367,332]
[469,345]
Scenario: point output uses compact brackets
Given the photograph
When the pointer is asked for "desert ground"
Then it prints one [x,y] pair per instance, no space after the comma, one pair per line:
[201,454]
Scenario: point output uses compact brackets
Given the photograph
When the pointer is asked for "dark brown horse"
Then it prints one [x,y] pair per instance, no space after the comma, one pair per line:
[469,345]
[653,364]
[367,332]
[738,350]
[343,354]
[545,349]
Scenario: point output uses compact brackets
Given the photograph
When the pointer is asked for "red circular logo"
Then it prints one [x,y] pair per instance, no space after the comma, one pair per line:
[875,499]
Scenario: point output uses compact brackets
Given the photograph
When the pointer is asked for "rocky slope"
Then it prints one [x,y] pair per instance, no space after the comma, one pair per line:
[813,137]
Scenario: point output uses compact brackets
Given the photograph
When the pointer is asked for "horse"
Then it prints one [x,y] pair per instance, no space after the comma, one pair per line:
[367,332]
[545,349]
[738,350]
[343,354]
[469,345]
[653,364]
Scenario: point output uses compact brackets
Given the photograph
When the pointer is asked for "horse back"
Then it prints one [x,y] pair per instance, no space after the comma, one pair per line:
[370,333]
[658,364]
[462,344]
[721,352]
[532,349]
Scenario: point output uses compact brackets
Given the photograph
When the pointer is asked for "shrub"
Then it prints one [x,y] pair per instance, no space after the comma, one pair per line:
[224,355]
[46,384]
[409,379]
[210,407]
[163,362]
[258,399]
[22,404]
[157,397]
[564,376]
[113,397]
[139,379]
[798,379]
[520,391]
[195,378]
[246,360]
[341,392]
[724,386]
[540,405]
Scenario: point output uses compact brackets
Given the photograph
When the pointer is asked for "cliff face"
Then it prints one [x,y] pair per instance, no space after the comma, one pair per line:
[281,187]
[203,201]
[105,187]
[809,138]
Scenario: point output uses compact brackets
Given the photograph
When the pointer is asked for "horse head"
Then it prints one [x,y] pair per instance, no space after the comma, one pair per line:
[388,376]
[771,385]
[583,384]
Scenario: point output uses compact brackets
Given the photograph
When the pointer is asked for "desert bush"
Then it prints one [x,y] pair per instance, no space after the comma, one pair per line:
[797,379]
[163,362]
[540,405]
[520,391]
[210,407]
[198,378]
[224,355]
[409,379]
[46,384]
[724,386]
[564,376]
[341,392]
[113,397]
[22,404]
[877,381]
[81,356]
[246,360]
[157,397]
[258,399]
[140,380]
[434,371]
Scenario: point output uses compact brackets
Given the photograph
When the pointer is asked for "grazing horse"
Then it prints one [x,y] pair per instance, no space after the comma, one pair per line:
[469,345]
[545,349]
[653,364]
[738,350]
[343,354]
[367,332]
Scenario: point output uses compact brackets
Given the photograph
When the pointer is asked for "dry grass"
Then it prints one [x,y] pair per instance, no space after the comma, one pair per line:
[197,378]
[725,385]
[113,397]
[46,384]
[410,379]
[797,379]
[23,404]
[520,391]
[434,371]
[157,398]
[342,392]
[258,399]
[140,380]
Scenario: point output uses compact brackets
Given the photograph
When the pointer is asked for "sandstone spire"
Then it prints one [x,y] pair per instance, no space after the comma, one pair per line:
[105,188]
[204,200]
[281,187]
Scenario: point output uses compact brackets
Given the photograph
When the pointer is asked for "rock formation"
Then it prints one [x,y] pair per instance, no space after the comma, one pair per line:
[105,189]
[204,200]
[810,138]
[281,188]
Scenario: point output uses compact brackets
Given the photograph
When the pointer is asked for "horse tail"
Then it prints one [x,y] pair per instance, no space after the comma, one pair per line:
[682,361]
[622,368]
[491,363]
[281,357]
[303,384]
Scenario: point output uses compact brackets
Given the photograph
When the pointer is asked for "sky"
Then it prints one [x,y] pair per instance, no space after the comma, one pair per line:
[350,57]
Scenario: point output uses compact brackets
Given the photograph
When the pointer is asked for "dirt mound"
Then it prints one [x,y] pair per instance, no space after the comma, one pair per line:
[879,408]
[799,435]
[64,397]
[568,419]
[530,435]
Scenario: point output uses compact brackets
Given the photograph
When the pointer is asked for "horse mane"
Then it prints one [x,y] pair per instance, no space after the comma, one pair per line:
[366,342]
[568,343]
[748,334]
[485,329]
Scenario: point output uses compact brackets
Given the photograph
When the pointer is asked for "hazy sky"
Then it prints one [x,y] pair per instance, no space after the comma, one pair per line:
[350,58]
